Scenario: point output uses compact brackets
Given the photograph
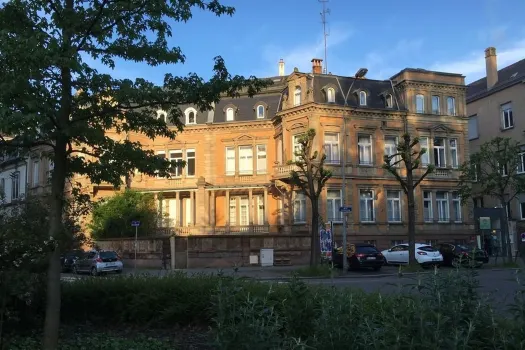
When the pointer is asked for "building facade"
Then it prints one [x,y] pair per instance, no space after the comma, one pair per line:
[236,174]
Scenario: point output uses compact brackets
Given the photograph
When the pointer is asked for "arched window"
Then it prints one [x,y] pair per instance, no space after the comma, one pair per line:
[260,112]
[191,116]
[330,95]
[229,114]
[297,96]
[162,115]
[389,101]
[362,98]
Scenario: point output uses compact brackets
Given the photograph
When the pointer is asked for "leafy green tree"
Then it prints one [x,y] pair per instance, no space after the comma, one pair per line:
[408,155]
[310,177]
[51,94]
[112,217]
[494,171]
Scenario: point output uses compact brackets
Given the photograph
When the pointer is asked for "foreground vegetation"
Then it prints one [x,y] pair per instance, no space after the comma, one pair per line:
[440,311]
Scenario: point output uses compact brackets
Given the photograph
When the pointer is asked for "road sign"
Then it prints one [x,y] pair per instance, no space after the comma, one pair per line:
[347,209]
[484,223]
[135,223]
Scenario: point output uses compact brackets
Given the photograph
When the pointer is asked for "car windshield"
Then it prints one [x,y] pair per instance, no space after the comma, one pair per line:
[108,255]
[427,248]
[366,250]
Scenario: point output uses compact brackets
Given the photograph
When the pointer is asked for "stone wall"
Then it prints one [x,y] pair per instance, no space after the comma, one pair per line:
[209,251]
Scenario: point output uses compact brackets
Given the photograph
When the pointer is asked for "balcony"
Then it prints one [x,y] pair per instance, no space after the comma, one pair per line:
[444,173]
[210,230]
[283,171]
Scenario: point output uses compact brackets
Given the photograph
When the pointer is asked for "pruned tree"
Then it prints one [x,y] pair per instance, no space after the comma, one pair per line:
[52,94]
[310,177]
[408,158]
[496,170]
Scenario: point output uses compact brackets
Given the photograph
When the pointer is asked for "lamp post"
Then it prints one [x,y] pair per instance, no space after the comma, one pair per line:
[359,74]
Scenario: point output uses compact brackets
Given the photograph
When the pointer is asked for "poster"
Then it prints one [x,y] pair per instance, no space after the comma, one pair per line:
[325,236]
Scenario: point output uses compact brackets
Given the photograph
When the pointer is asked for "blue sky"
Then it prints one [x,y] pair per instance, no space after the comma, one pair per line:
[384,36]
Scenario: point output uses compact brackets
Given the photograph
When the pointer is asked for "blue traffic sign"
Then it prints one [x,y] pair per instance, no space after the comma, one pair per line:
[135,223]
[347,209]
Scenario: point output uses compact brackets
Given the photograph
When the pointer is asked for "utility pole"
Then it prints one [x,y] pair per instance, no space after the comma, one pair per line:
[325,34]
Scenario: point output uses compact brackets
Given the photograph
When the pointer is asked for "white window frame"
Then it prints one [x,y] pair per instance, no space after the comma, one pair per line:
[261,115]
[331,148]
[456,207]
[453,149]
[393,199]
[335,202]
[504,170]
[296,146]
[427,199]
[229,160]
[188,158]
[15,185]
[420,98]
[230,114]
[244,211]
[367,206]
[35,172]
[390,149]
[507,118]
[439,153]
[187,114]
[473,130]
[451,105]
[443,207]
[521,163]
[389,101]
[176,155]
[2,188]
[330,95]
[245,160]
[297,96]
[161,153]
[362,98]
[262,159]
[299,207]
[425,158]
[522,212]
[362,145]
[233,211]
[163,114]
[436,108]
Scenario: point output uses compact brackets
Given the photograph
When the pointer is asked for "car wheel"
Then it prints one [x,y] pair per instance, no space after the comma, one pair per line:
[94,271]
[118,272]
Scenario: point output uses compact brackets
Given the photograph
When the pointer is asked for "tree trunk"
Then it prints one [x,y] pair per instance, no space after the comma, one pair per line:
[505,228]
[314,241]
[411,220]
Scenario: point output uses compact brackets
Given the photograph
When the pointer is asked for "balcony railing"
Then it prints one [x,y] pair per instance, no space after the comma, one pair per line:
[210,230]
[283,170]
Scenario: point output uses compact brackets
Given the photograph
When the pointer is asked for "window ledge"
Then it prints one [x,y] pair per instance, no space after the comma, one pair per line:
[365,165]
[506,129]
[367,222]
[395,223]
[297,223]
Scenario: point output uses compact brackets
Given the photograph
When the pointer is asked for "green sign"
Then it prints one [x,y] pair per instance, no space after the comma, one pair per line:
[484,223]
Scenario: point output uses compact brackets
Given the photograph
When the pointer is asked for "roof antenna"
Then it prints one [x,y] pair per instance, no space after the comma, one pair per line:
[325,33]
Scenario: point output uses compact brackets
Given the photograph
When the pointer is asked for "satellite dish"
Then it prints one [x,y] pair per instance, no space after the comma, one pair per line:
[361,72]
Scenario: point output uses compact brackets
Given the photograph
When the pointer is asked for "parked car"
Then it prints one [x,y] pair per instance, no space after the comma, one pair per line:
[98,262]
[461,255]
[360,255]
[69,258]
[426,255]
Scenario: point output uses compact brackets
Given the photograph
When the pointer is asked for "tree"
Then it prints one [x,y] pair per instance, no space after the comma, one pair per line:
[411,158]
[495,171]
[112,217]
[51,94]
[310,177]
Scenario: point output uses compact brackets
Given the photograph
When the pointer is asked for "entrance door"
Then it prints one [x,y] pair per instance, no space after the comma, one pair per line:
[233,211]
[260,210]
[244,211]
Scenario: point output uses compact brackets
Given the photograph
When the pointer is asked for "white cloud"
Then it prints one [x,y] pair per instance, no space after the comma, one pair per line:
[473,65]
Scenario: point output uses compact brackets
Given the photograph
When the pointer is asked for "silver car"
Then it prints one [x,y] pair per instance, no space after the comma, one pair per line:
[98,262]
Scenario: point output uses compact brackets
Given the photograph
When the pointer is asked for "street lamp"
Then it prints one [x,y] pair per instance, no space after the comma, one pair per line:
[359,74]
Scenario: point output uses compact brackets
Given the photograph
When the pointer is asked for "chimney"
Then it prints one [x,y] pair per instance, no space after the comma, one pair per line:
[281,67]
[491,63]
[317,66]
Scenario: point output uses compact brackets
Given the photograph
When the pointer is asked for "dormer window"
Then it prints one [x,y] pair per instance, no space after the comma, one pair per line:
[162,115]
[389,101]
[297,96]
[191,116]
[260,112]
[330,95]
[230,114]
[362,98]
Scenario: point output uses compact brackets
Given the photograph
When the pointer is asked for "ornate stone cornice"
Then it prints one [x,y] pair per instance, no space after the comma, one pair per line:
[431,85]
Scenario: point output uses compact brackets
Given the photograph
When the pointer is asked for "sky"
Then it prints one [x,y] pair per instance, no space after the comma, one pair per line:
[383,36]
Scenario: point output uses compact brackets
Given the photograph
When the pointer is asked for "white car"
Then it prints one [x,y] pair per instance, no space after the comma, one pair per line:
[425,255]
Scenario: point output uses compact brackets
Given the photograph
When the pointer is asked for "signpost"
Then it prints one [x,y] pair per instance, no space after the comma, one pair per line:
[484,223]
[136,224]
[345,210]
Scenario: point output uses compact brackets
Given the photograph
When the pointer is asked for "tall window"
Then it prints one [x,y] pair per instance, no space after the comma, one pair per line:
[425,158]
[162,115]
[191,116]
[296,146]
[15,185]
[366,206]
[364,144]
[51,167]
[428,213]
[36,172]
[245,160]
[297,96]
[176,156]
[299,207]
[161,154]
[456,207]
[435,105]
[261,159]
[420,104]
[393,206]
[451,105]
[230,114]
[230,160]
[521,163]
[330,95]
[233,211]
[244,211]
[473,132]
[190,162]
[442,206]
[391,148]
[453,147]
[333,203]
[504,170]
[389,101]
[331,147]
[439,152]
[260,111]
[362,98]
[507,120]
[2,187]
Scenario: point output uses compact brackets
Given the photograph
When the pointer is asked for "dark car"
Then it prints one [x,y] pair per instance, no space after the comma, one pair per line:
[69,258]
[461,255]
[360,255]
